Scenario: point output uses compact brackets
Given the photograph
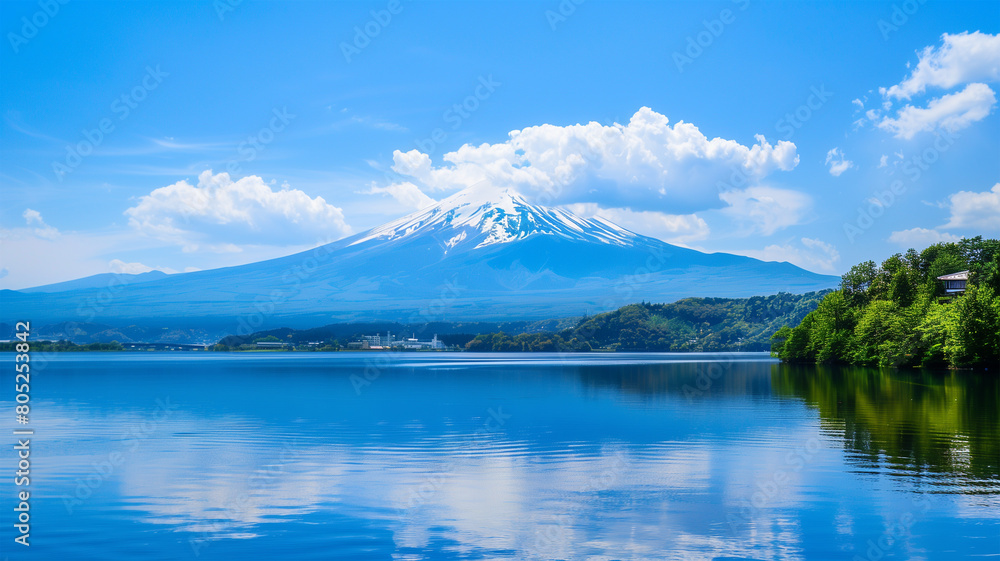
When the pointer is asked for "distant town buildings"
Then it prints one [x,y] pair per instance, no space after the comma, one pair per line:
[389,341]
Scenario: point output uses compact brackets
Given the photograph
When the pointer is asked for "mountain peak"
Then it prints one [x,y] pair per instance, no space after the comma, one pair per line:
[483,192]
[484,215]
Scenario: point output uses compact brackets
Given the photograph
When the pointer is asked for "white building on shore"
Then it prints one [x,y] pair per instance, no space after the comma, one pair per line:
[389,341]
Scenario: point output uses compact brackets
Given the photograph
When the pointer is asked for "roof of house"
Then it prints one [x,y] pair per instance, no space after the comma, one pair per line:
[961,275]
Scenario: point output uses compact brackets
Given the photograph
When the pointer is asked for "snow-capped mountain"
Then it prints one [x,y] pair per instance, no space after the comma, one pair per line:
[480,216]
[480,254]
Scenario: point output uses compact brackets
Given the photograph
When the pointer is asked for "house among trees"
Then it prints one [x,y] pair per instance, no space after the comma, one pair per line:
[955,282]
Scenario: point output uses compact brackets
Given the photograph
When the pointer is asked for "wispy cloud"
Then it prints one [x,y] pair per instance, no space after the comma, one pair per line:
[838,162]
[808,253]
[921,237]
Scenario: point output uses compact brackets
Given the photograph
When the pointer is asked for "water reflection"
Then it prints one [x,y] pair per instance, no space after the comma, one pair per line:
[506,457]
[714,376]
[942,427]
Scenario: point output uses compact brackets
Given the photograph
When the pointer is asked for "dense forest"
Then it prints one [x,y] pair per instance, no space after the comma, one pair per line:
[691,324]
[898,314]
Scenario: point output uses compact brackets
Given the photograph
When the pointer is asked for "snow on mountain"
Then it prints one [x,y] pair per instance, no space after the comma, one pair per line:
[479,254]
[481,216]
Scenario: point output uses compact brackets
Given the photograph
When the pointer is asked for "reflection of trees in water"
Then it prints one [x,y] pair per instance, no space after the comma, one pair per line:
[912,421]
[695,380]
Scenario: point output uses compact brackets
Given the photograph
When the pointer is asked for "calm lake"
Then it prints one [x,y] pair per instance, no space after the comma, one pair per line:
[502,456]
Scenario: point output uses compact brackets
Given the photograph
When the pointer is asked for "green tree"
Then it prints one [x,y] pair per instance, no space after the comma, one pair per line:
[830,333]
[974,329]
[856,282]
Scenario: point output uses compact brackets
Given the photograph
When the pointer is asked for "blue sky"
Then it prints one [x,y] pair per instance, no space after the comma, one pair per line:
[332,118]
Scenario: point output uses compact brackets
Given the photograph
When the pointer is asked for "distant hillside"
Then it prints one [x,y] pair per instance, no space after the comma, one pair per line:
[481,255]
[691,324]
[84,333]
[451,333]
[103,280]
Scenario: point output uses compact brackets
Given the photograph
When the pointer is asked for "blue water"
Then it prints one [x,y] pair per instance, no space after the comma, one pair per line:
[460,456]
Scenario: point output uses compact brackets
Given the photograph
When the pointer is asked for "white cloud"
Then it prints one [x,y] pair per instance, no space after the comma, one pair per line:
[67,257]
[135,268]
[920,237]
[371,122]
[672,228]
[838,162]
[121,267]
[221,215]
[809,253]
[646,165]
[43,230]
[971,210]
[960,59]
[951,112]
[966,60]
[405,193]
[883,161]
[32,216]
[766,209]
[74,255]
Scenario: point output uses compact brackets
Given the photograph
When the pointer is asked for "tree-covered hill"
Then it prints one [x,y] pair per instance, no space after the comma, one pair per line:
[691,324]
[897,313]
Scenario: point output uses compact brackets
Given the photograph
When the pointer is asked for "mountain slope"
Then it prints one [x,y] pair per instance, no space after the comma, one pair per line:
[98,281]
[478,254]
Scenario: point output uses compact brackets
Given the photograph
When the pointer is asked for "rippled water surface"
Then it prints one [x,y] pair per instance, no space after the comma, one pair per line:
[462,456]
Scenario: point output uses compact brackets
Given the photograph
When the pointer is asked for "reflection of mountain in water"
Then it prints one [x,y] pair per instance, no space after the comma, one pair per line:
[943,426]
